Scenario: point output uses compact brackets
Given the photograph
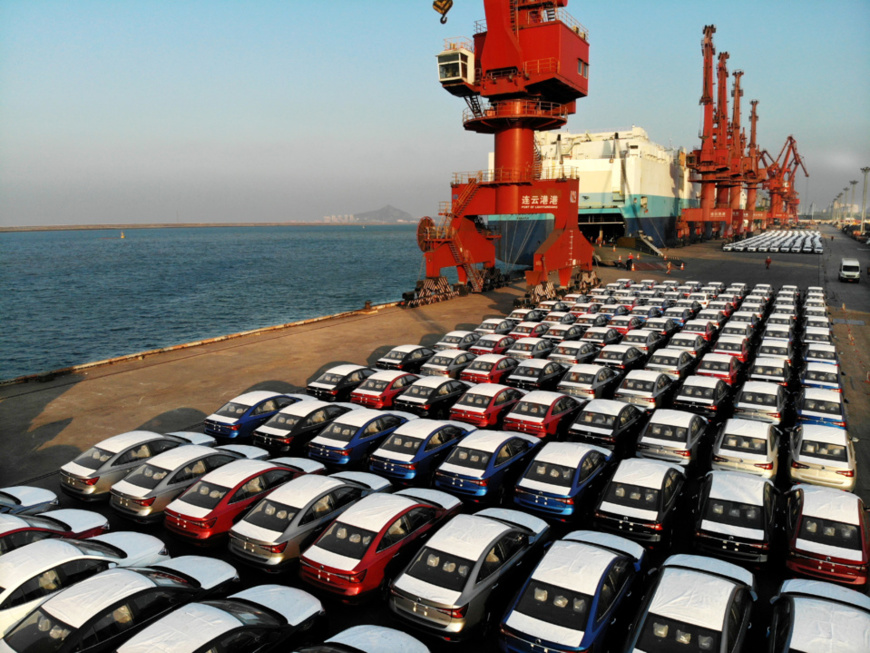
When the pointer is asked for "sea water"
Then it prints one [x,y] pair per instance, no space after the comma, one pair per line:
[72,297]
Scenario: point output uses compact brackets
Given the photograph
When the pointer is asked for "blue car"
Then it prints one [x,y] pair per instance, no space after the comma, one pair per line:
[561,479]
[825,407]
[571,598]
[411,454]
[484,466]
[825,376]
[353,436]
[238,418]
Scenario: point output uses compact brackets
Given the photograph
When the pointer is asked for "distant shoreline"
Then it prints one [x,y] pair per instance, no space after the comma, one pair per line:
[175,225]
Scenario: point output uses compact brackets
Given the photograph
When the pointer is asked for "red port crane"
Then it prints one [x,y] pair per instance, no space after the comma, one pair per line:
[780,184]
[527,65]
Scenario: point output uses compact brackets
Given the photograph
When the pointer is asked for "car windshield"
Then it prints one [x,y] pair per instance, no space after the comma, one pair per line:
[474,400]
[531,409]
[283,421]
[744,444]
[826,377]
[466,457]
[271,515]
[93,458]
[633,496]
[375,385]
[550,473]
[339,432]
[330,378]
[555,605]
[588,418]
[345,540]
[480,366]
[247,612]
[663,635]
[147,476]
[734,513]
[696,392]
[823,450]
[637,385]
[40,632]
[758,398]
[232,409]
[819,406]
[205,495]
[441,569]
[667,432]
[402,444]
[715,366]
[830,532]
[580,377]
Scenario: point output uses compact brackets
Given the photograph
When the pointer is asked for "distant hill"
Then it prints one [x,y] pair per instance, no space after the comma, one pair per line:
[385,214]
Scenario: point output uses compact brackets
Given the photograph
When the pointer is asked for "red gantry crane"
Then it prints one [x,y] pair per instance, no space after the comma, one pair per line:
[526,67]
[780,184]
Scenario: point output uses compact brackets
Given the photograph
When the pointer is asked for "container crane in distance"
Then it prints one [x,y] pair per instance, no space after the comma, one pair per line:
[523,71]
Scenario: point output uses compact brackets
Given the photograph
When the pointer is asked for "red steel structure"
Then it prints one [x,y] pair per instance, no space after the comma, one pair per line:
[529,63]
[780,184]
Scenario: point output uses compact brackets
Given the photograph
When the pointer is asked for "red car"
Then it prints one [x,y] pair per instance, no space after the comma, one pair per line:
[542,413]
[486,404]
[19,530]
[625,323]
[371,542]
[828,535]
[737,346]
[492,344]
[489,368]
[720,366]
[529,330]
[211,506]
[379,390]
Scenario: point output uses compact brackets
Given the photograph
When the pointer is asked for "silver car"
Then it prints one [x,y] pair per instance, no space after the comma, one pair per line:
[26,500]
[673,436]
[572,352]
[457,340]
[448,588]
[745,445]
[92,474]
[676,363]
[645,389]
[589,381]
[448,362]
[146,491]
[823,455]
[275,531]
[766,402]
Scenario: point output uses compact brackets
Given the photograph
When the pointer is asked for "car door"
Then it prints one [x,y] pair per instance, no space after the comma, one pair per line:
[404,536]
[112,626]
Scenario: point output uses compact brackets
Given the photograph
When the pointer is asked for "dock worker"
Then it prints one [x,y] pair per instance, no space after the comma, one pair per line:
[767,263]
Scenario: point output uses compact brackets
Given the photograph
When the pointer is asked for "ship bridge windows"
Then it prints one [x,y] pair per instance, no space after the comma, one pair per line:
[583,68]
[456,66]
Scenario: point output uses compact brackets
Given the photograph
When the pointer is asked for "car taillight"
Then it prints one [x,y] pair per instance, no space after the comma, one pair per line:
[144,502]
[410,466]
[454,613]
[207,523]
[358,577]
[275,548]
[650,400]
[796,465]
[568,502]
[426,406]
[477,481]
[234,427]
[333,392]
[685,453]
[763,465]
[847,472]
[91,481]
[776,415]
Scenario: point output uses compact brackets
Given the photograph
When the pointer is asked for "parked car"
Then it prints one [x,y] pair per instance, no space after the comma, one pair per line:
[272,534]
[666,326]
[493,344]
[448,588]
[737,346]
[802,617]
[238,418]
[370,542]
[495,325]
[90,475]
[818,334]
[717,316]
[747,446]
[827,533]
[824,376]
[105,610]
[739,329]
[560,317]
[705,396]
[562,479]
[542,413]
[766,402]
[256,619]
[822,455]
[647,340]
[26,500]
[536,374]
[379,390]
[675,436]
[735,517]
[588,382]
[825,407]
[676,363]
[781,349]
[411,454]
[486,405]
[694,601]
[620,357]
[34,572]
[408,358]
[626,323]
[680,315]
[690,342]
[368,639]
[772,370]
[720,366]
[293,427]
[350,438]
[337,383]
[640,501]
[602,336]
[607,423]
[560,332]
[22,529]
[485,465]
[489,368]
[820,353]
[592,320]
[526,348]
[704,328]
[431,396]
[143,494]
[646,389]
[527,315]
[463,340]
[529,330]
[571,598]
[574,352]
[448,362]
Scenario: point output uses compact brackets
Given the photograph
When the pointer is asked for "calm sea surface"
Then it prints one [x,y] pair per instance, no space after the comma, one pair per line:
[71,297]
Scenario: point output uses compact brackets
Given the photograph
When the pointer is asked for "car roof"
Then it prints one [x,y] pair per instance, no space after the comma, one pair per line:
[406,349]
[717,358]
[174,458]
[821,394]
[302,408]
[302,489]
[644,375]
[360,416]
[26,561]
[423,428]
[376,510]
[255,397]
[387,375]
[605,406]
[828,503]
[702,381]
[489,440]
[468,536]
[182,630]
[824,590]
[738,486]
[487,389]
[79,602]
[586,368]
[490,358]
[641,332]
[494,338]
[568,454]
[675,417]
[817,622]
[374,639]
[829,434]
[747,427]
[430,381]
[692,596]
[536,363]
[643,472]
[542,397]
[761,386]
[574,565]
[233,473]
[118,443]
[669,351]
[344,369]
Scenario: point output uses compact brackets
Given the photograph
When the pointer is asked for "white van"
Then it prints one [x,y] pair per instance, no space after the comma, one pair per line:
[850,270]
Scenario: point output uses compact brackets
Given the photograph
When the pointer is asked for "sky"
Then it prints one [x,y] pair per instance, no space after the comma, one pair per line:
[127,111]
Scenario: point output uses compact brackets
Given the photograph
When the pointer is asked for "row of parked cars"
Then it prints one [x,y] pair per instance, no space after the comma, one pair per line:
[353,536]
[792,241]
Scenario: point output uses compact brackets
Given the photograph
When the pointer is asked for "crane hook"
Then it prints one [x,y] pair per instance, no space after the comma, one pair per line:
[442,7]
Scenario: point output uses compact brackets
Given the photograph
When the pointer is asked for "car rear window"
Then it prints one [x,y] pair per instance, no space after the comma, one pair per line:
[402,444]
[580,377]
[339,432]
[611,355]
[93,458]
[467,457]
[588,418]
[696,392]
[715,366]
[830,532]
[851,268]
[375,385]
[529,372]
[813,375]
[823,450]
[818,406]
[633,496]
[271,515]
[776,351]
[474,400]
[418,391]
[767,370]
[205,495]
[442,361]
[441,569]
[550,473]
[758,399]
[345,540]
[822,354]
[667,432]
[744,444]
[637,385]
[232,410]
[555,605]
[729,346]
[480,366]
[734,513]
[664,635]
[330,378]
[147,476]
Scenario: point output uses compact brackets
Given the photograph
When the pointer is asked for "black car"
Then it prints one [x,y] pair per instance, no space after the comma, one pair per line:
[704,395]
[294,426]
[408,358]
[610,424]
[536,374]
[431,396]
[336,383]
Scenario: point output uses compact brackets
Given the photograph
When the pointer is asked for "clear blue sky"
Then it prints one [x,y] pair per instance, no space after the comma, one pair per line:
[117,111]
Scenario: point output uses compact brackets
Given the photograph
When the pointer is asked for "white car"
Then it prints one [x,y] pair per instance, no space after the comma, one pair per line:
[823,455]
[749,446]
